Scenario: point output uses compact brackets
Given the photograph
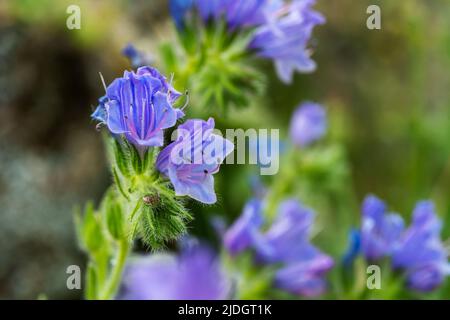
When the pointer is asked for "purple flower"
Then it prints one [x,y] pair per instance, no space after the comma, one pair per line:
[211,8]
[287,240]
[420,250]
[284,38]
[380,231]
[192,159]
[308,124]
[195,274]
[139,106]
[305,278]
[286,243]
[245,231]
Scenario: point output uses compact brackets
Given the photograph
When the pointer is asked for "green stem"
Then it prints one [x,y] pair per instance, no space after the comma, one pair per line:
[116,273]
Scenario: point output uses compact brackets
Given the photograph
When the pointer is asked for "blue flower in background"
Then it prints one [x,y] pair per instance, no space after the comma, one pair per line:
[245,231]
[285,243]
[281,29]
[178,10]
[284,38]
[308,124]
[287,239]
[288,242]
[418,250]
[194,274]
[191,161]
[139,106]
[136,57]
[379,231]
[211,8]
[306,277]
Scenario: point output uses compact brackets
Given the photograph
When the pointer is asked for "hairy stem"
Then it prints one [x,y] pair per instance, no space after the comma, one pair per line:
[116,273]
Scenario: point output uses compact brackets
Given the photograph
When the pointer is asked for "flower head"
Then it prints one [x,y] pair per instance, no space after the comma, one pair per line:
[195,274]
[379,231]
[418,250]
[285,243]
[236,13]
[305,278]
[140,106]
[193,158]
[308,124]
[245,231]
[284,38]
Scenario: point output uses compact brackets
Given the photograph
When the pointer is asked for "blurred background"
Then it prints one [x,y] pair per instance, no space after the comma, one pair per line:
[387,93]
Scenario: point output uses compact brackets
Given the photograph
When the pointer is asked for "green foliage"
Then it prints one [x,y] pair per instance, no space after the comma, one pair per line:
[216,68]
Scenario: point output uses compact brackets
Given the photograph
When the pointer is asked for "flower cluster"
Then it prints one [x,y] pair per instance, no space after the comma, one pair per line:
[418,250]
[139,106]
[281,30]
[285,243]
[194,274]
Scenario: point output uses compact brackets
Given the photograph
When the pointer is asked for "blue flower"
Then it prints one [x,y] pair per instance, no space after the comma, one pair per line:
[379,231]
[284,38]
[140,106]
[237,13]
[285,243]
[418,250]
[193,158]
[287,239]
[308,124]
[194,274]
[245,231]
[178,10]
[281,29]
[137,58]
[305,278]
[100,113]
[211,8]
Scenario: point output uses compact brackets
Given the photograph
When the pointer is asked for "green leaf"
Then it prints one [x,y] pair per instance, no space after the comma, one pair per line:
[92,233]
[115,220]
